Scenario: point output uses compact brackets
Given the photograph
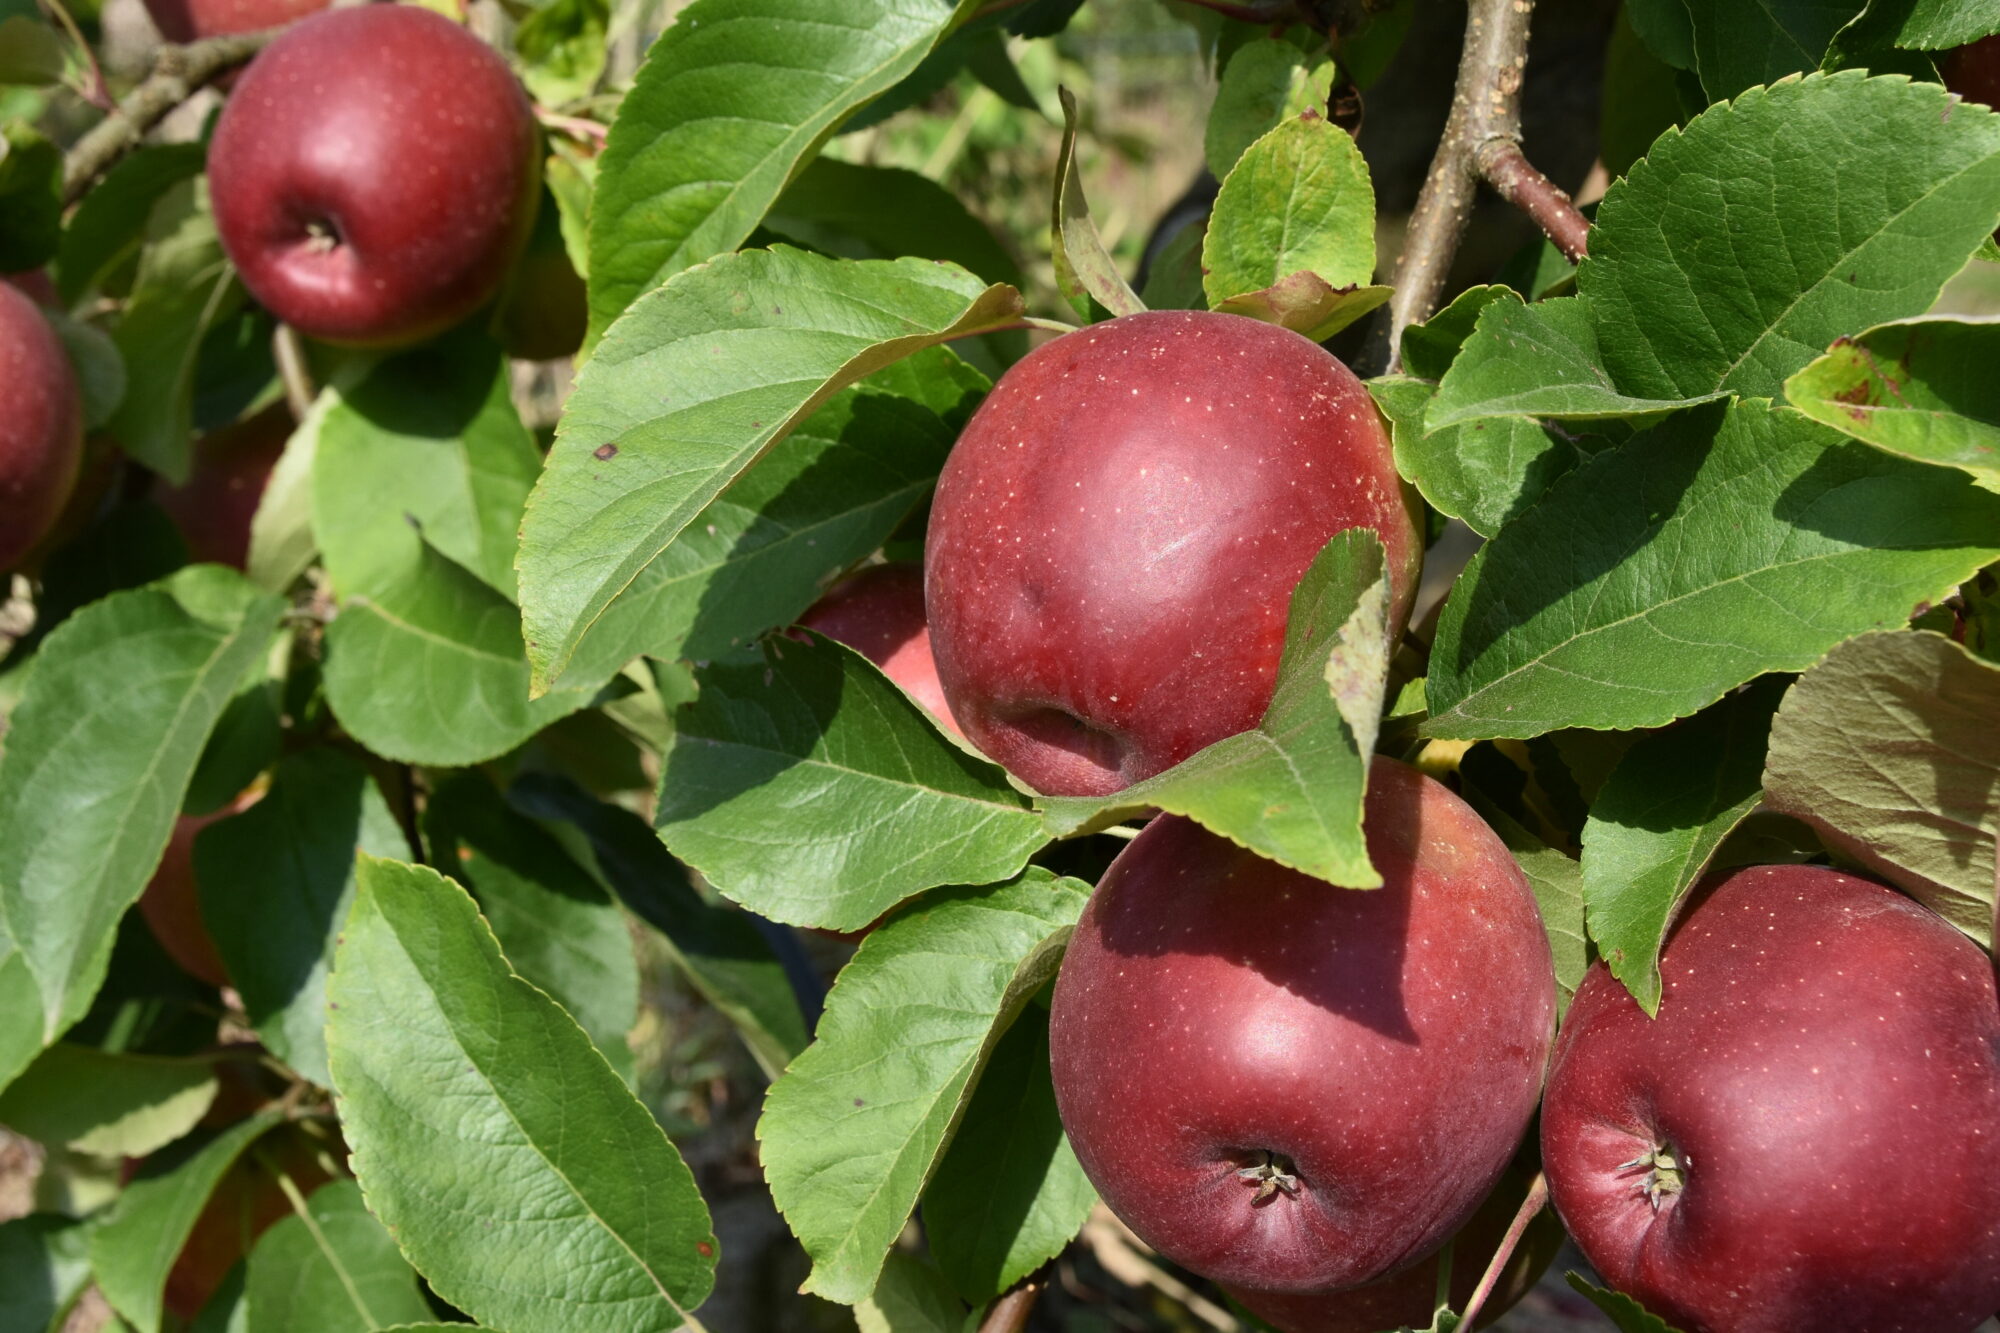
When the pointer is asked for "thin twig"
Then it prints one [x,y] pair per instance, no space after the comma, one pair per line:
[1009,1314]
[1482,140]
[179,72]
[1538,1198]
[576,127]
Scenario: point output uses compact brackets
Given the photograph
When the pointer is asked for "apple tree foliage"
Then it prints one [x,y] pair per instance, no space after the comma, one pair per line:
[507,699]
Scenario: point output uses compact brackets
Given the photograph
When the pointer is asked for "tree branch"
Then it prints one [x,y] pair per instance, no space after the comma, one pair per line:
[179,72]
[1482,141]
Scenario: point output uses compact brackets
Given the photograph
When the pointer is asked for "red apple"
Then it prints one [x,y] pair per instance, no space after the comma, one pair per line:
[1118,531]
[246,1204]
[37,284]
[41,426]
[1973,71]
[1808,1135]
[879,613]
[192,20]
[171,903]
[1288,1086]
[214,506]
[374,174]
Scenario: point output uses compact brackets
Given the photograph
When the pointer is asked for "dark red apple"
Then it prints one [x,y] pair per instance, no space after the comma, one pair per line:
[192,20]
[37,283]
[879,613]
[1973,71]
[214,507]
[1288,1086]
[374,174]
[171,902]
[1808,1135]
[41,426]
[1118,531]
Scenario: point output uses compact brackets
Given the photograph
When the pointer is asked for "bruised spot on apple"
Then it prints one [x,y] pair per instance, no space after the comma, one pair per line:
[1118,531]
[374,174]
[171,902]
[1293,1087]
[41,426]
[214,507]
[879,613]
[1808,1134]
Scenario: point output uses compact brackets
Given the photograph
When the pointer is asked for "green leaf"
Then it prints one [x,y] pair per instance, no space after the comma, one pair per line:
[30,195]
[1266,82]
[1666,28]
[557,925]
[184,285]
[1738,45]
[561,45]
[44,1263]
[1888,749]
[1724,544]
[1174,280]
[911,1296]
[690,390]
[331,1269]
[1085,270]
[433,670]
[1918,25]
[467,1093]
[1924,389]
[812,790]
[1291,788]
[826,496]
[1558,884]
[99,751]
[1640,98]
[100,370]
[731,99]
[135,1247]
[1299,202]
[282,542]
[1623,1311]
[110,222]
[427,447]
[869,212]
[717,947]
[110,1104]
[1682,310]
[31,52]
[276,882]
[855,1128]
[1486,472]
[1429,348]
[1657,823]
[1009,1194]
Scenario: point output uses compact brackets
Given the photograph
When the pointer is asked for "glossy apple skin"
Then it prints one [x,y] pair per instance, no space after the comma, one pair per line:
[192,20]
[214,507]
[1117,533]
[171,902]
[1973,71]
[879,613]
[374,174]
[1826,1065]
[1389,1043]
[41,426]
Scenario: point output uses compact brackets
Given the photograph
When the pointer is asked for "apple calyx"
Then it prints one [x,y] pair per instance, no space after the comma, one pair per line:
[1273,1175]
[1663,1165]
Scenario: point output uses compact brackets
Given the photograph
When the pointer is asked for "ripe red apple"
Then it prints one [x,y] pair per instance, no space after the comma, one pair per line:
[1808,1135]
[1118,531]
[1288,1086]
[171,902]
[374,174]
[879,613]
[1973,71]
[41,426]
[192,20]
[214,506]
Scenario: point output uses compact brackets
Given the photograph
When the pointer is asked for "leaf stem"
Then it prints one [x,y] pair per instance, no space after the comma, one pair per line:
[1009,1314]
[1538,1198]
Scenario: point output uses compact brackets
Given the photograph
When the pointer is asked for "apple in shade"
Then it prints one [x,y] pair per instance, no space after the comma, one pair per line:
[879,613]
[246,1203]
[213,508]
[1808,1134]
[192,20]
[41,426]
[1118,531]
[374,174]
[171,902]
[1973,71]
[1292,1087]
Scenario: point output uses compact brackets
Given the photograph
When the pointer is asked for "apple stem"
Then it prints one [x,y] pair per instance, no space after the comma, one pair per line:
[1538,1198]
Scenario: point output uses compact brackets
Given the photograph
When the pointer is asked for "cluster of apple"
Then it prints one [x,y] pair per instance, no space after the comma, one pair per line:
[1303,1093]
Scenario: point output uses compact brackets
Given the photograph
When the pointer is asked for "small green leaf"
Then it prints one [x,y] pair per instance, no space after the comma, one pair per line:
[468,1094]
[332,1269]
[30,188]
[1888,749]
[1558,883]
[1009,1194]
[44,1264]
[911,1296]
[856,1127]
[1736,46]
[98,754]
[100,369]
[31,52]
[1623,1311]
[1291,788]
[1266,82]
[110,1104]
[810,789]
[276,882]
[1085,270]
[135,1247]
[110,222]
[1657,823]
[561,45]
[1722,545]
[690,390]
[869,212]
[1924,389]
[282,542]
